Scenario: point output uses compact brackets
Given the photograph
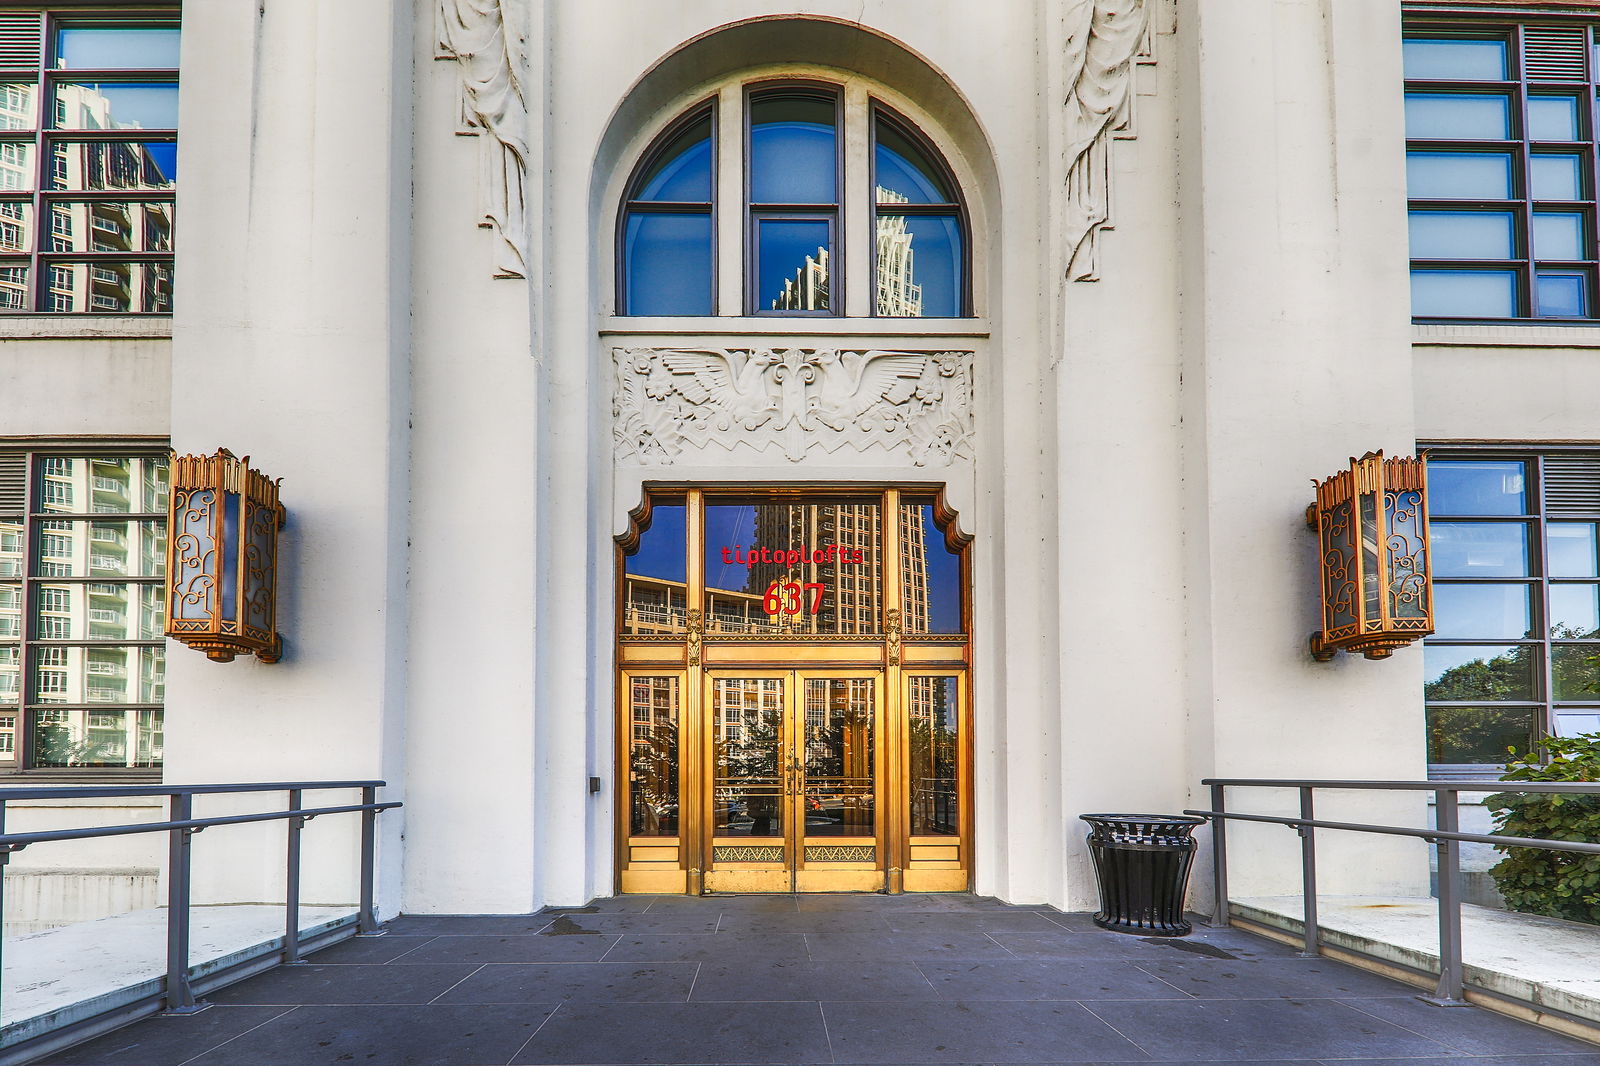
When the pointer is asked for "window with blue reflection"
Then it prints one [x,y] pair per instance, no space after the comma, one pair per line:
[1562,294]
[1462,235]
[1574,612]
[1477,487]
[116,47]
[793,150]
[1559,235]
[1572,549]
[1479,549]
[902,169]
[1555,177]
[1458,116]
[792,263]
[1553,118]
[1444,59]
[667,260]
[655,574]
[681,172]
[1459,175]
[1464,293]
[1482,612]
[115,106]
[919,258]
[930,575]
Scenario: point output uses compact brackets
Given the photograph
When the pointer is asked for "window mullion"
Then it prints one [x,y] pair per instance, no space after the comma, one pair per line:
[858,237]
[728,200]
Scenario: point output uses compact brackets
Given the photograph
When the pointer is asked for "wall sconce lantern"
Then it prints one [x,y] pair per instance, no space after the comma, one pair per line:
[1377,572]
[222,557]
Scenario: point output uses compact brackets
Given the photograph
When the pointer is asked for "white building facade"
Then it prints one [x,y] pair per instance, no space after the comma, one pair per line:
[1155,283]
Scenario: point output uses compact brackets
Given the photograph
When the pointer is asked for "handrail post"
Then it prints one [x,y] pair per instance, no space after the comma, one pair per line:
[291,920]
[1308,875]
[366,924]
[1447,818]
[179,996]
[1219,861]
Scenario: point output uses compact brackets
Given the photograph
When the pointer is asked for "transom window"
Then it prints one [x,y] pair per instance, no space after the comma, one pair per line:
[1515,654]
[807,154]
[88,161]
[1500,165]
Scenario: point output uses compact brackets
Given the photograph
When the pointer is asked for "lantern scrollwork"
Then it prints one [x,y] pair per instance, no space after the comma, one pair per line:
[1376,566]
[222,557]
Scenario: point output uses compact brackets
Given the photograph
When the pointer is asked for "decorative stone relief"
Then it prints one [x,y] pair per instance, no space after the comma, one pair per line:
[484,38]
[1104,37]
[793,400]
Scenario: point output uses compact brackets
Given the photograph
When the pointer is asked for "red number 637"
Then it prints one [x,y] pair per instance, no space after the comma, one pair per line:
[788,597]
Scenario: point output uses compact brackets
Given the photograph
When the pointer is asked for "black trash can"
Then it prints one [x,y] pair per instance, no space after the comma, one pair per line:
[1142,863]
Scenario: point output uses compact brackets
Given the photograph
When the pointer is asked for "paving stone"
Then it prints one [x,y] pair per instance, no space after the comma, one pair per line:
[482,949]
[680,1033]
[971,1031]
[632,982]
[311,983]
[434,1035]
[749,980]
[165,1040]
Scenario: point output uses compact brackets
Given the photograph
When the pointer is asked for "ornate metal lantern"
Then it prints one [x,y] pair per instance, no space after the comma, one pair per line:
[222,557]
[1377,575]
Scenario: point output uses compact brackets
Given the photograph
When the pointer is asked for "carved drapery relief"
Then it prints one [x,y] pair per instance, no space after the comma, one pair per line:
[1103,39]
[485,39]
[792,400]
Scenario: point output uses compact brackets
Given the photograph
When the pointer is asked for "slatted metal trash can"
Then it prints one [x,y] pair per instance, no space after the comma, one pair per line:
[1142,863]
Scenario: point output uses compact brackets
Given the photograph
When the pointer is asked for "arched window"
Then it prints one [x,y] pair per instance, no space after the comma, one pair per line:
[806,152]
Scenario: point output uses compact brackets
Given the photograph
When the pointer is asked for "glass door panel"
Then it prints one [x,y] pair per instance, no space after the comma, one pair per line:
[837,783]
[751,801]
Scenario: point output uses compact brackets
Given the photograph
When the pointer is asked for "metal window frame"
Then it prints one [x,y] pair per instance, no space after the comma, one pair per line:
[631,206]
[881,113]
[28,641]
[45,135]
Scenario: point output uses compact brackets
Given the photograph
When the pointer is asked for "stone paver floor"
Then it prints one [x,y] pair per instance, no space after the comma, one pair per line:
[816,979]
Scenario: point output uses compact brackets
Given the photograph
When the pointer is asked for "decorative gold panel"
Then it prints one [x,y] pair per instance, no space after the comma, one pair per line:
[841,853]
[747,853]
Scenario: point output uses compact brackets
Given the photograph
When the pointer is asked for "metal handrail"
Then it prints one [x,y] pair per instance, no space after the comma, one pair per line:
[1446,836]
[181,825]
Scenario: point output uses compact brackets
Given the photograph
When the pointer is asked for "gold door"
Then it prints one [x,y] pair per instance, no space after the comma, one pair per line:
[794,789]
[814,698]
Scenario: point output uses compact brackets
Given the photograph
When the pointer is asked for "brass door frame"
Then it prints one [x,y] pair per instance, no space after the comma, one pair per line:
[694,656]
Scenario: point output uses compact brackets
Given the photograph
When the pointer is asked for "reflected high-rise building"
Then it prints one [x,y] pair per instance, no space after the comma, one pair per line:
[898,296]
[807,290]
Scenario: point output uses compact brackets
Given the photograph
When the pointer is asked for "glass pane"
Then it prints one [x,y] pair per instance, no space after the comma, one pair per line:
[101,549]
[16,235]
[840,716]
[747,772]
[1575,671]
[1479,549]
[11,546]
[919,267]
[113,165]
[101,485]
[10,611]
[1479,672]
[1575,612]
[19,105]
[1553,118]
[903,172]
[100,610]
[1433,59]
[653,756]
[1572,550]
[1462,235]
[814,568]
[933,711]
[1471,487]
[1464,293]
[654,581]
[97,738]
[1564,295]
[1555,177]
[1569,724]
[1482,612]
[10,680]
[1478,734]
[110,287]
[1558,235]
[792,265]
[13,288]
[1458,116]
[110,226]
[99,675]
[793,156]
[930,574]
[116,106]
[667,263]
[16,166]
[682,171]
[1458,175]
[116,47]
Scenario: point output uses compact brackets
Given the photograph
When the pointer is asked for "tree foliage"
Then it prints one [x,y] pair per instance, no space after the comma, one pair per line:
[1560,884]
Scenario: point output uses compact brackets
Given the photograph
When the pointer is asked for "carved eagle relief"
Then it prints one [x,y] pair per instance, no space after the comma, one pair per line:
[669,399]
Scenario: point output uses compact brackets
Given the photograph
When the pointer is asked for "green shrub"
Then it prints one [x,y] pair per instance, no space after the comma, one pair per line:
[1561,884]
